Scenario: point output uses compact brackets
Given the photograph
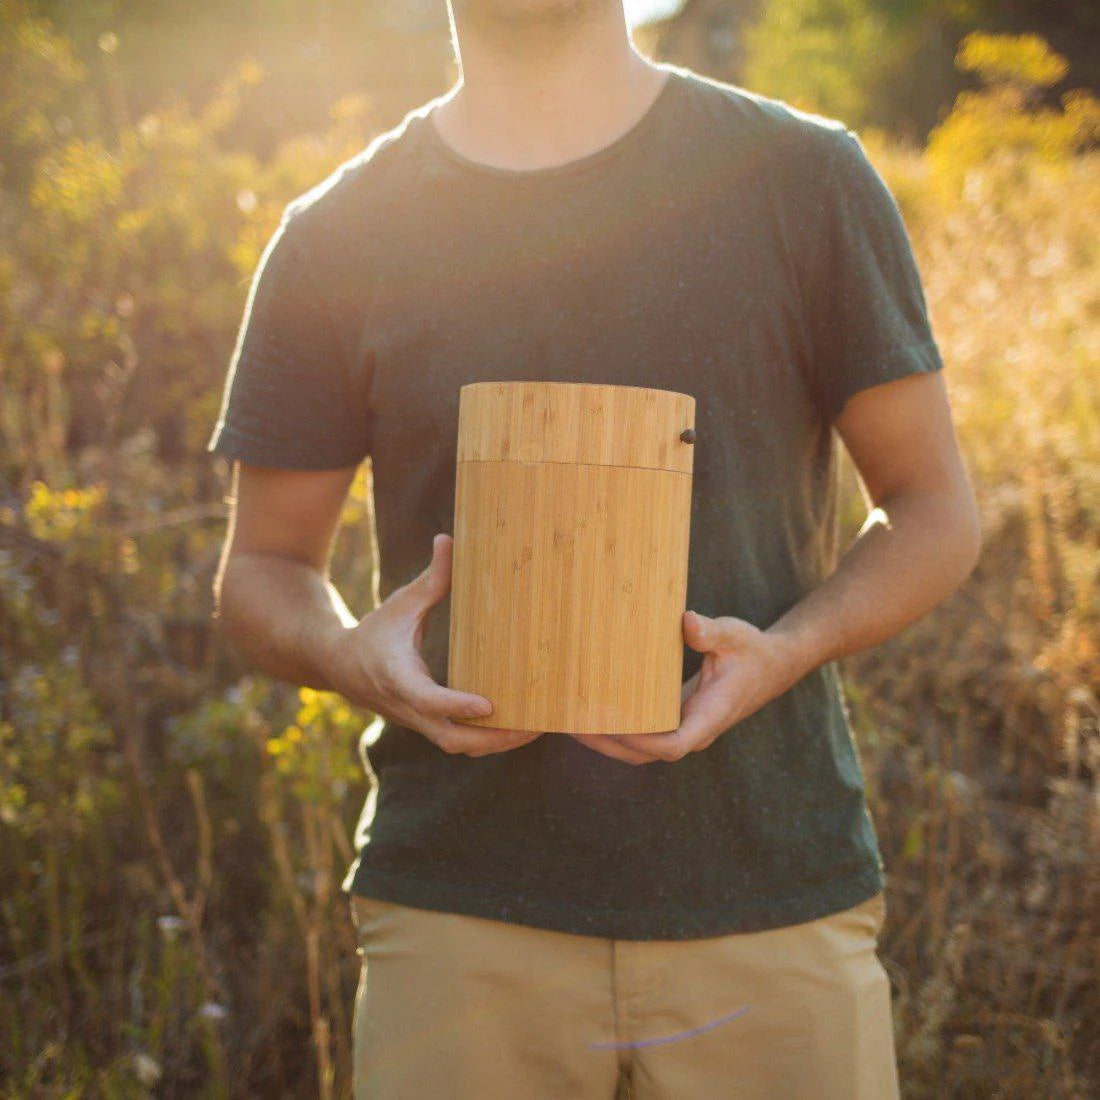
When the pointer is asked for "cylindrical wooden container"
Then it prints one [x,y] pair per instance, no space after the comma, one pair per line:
[569,572]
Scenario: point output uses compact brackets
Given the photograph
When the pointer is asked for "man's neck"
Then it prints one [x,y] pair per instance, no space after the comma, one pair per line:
[536,93]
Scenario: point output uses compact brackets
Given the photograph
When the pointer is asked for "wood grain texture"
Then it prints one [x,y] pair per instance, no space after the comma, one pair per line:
[572,519]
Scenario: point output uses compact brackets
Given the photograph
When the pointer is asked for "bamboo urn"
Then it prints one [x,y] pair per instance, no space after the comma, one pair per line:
[570,559]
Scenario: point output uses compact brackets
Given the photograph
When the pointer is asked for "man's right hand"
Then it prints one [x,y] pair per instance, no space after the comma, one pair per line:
[377,664]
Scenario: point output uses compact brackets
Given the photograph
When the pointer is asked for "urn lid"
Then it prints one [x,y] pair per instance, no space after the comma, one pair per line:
[576,422]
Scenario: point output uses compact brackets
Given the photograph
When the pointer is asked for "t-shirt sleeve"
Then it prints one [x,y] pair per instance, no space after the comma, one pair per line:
[868,317]
[291,397]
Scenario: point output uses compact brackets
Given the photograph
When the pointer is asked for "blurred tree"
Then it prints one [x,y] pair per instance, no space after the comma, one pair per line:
[397,54]
[1072,27]
[170,835]
[888,64]
[882,63]
[37,69]
[160,220]
[1006,127]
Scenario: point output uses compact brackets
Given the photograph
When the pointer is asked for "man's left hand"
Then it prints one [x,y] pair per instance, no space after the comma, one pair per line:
[743,668]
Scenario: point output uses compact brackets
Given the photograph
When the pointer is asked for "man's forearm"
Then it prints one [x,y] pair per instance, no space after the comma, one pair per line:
[889,577]
[281,615]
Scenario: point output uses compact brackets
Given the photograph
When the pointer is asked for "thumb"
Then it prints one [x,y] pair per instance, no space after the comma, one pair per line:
[699,631]
[436,578]
[428,587]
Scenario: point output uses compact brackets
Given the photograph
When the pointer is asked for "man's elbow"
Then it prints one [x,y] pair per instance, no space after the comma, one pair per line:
[953,516]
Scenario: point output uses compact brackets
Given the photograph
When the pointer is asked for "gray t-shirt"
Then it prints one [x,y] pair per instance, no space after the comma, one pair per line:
[728,246]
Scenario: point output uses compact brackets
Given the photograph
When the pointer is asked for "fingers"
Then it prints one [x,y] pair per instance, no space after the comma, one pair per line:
[430,708]
[642,748]
[486,740]
[659,746]
[725,633]
[454,738]
[408,681]
[425,696]
[699,632]
[689,687]
[703,716]
[610,745]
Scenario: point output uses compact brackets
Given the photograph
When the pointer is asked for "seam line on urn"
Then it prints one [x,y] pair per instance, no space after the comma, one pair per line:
[562,462]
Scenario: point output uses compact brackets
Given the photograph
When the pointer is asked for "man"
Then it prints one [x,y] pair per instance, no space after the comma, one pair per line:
[683,914]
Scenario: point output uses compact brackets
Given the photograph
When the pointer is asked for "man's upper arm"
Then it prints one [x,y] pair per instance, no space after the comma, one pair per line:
[286,513]
[293,412]
[902,440]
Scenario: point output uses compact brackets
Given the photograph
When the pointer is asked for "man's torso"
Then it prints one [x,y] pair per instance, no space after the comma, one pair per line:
[674,259]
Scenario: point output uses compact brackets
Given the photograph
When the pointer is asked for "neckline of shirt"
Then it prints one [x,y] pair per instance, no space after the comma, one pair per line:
[625,140]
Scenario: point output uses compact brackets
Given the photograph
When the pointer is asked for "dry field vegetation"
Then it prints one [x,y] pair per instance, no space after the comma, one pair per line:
[980,723]
[173,830]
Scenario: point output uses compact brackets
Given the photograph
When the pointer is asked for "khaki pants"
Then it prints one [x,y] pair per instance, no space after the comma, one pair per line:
[453,1007]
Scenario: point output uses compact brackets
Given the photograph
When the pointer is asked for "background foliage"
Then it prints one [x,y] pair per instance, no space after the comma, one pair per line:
[173,828]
